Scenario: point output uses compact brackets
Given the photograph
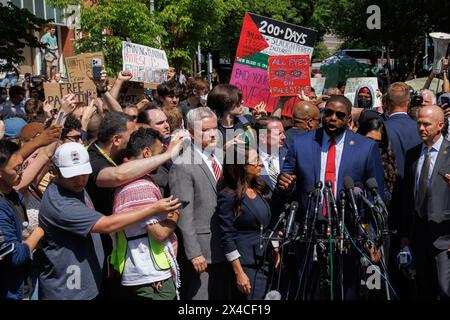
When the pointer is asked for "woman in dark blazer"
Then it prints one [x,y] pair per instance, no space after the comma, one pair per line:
[244,215]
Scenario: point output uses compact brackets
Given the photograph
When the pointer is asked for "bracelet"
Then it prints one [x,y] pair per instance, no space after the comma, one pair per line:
[102,91]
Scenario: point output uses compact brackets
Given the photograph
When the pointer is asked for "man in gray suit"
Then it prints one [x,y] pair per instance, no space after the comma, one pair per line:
[426,215]
[193,179]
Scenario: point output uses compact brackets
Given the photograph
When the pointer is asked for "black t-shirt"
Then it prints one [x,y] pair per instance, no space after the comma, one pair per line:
[101,197]
[238,127]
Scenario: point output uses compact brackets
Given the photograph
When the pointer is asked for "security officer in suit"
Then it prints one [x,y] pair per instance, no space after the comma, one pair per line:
[425,224]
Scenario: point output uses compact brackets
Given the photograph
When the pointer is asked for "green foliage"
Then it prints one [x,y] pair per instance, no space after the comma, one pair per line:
[17,31]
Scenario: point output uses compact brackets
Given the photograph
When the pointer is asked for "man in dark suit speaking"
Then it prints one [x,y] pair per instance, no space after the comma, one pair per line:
[331,153]
[425,221]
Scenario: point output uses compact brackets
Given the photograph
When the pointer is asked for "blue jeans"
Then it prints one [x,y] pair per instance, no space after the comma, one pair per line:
[11,79]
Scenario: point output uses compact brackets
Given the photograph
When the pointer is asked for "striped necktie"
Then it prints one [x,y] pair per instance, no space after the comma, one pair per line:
[216,167]
[273,173]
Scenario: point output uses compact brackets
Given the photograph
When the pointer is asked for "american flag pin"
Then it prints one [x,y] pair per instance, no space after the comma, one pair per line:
[352,142]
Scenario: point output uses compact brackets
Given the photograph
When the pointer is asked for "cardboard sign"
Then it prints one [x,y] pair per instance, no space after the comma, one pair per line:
[289,75]
[131,93]
[260,38]
[285,38]
[353,83]
[79,67]
[54,92]
[318,84]
[146,64]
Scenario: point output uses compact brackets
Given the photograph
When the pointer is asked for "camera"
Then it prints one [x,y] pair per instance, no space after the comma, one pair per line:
[416,101]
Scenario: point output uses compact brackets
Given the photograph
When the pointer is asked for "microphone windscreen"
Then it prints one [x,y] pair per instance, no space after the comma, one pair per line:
[348,182]
[273,295]
[319,184]
[371,184]
[294,205]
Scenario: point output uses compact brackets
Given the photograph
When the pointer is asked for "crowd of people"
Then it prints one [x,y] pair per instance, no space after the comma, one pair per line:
[180,195]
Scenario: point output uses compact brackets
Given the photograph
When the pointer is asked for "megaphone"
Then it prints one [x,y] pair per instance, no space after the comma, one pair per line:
[441,41]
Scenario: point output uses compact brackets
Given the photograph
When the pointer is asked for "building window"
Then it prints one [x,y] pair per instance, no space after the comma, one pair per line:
[59,16]
[50,11]
[28,5]
[17,3]
[39,8]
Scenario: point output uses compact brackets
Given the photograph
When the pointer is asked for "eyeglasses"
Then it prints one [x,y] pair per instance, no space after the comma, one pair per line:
[340,115]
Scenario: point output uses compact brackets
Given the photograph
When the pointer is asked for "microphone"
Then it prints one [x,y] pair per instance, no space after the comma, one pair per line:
[273,295]
[358,191]
[372,185]
[309,192]
[326,195]
[318,195]
[329,184]
[348,185]
[291,218]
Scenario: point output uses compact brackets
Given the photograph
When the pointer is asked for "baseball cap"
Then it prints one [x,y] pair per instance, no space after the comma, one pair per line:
[72,160]
[13,127]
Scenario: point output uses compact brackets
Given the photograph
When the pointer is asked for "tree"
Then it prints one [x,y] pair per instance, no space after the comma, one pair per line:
[404,25]
[107,23]
[16,32]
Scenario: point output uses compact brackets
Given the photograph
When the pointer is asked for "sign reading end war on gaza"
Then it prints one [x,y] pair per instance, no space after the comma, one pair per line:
[148,65]
[260,38]
[289,75]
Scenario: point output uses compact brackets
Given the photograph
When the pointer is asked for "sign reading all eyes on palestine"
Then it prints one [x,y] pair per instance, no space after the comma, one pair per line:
[260,38]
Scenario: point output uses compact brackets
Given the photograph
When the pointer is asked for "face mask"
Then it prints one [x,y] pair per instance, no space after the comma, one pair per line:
[364,103]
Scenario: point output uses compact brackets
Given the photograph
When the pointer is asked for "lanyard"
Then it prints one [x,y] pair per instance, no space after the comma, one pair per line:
[111,161]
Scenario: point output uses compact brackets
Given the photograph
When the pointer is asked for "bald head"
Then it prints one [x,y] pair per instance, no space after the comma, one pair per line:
[306,115]
[430,123]
[434,111]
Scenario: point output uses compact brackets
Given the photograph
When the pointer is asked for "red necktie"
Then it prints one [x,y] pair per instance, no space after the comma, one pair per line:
[330,170]
[215,167]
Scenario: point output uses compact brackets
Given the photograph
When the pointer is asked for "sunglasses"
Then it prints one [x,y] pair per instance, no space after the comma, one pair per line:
[340,115]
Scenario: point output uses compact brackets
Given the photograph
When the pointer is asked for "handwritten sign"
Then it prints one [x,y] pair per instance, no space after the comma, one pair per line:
[79,67]
[260,38]
[148,65]
[54,92]
[289,75]
[318,84]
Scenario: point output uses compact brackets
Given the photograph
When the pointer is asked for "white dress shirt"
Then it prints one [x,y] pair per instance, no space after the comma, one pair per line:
[433,156]
[339,141]
[205,154]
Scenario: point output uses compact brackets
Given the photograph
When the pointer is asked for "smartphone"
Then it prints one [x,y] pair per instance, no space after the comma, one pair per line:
[6,250]
[184,204]
[60,119]
[96,68]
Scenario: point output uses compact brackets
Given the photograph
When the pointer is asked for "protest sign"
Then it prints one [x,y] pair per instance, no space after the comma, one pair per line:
[261,37]
[79,67]
[54,92]
[130,92]
[289,75]
[353,83]
[148,65]
[318,84]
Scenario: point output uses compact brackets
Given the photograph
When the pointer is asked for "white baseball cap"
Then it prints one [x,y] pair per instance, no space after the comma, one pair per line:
[72,159]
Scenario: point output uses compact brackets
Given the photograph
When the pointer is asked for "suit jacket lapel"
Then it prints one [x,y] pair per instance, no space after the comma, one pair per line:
[317,153]
[205,168]
[443,153]
[347,154]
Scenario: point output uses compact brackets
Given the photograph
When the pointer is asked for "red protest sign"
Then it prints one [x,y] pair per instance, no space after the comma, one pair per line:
[289,75]
[251,41]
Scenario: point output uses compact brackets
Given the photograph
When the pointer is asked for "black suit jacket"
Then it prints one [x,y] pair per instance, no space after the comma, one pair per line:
[243,233]
[438,205]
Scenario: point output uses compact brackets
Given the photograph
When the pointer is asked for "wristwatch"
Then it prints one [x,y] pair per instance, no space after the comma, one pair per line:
[102,91]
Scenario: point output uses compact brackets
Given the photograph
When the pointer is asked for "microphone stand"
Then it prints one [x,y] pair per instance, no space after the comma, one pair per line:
[326,193]
[341,249]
